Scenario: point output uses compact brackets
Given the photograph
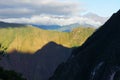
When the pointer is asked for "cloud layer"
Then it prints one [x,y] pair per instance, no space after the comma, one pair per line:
[54,20]
[46,12]
[27,8]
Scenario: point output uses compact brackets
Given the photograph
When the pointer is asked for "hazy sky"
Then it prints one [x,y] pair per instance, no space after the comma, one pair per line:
[60,12]
[101,7]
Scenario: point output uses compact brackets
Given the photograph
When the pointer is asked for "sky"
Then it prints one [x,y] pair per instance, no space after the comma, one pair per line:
[103,8]
[58,12]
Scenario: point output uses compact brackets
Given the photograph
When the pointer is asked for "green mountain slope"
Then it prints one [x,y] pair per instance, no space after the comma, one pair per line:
[30,39]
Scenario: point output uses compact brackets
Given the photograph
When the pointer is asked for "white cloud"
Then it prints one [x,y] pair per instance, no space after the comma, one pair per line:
[48,12]
[15,11]
[37,7]
[54,20]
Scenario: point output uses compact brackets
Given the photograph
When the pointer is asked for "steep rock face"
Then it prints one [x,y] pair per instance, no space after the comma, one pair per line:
[38,66]
[98,58]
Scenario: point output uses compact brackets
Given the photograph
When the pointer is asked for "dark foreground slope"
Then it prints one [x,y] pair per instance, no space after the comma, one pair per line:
[98,58]
[38,66]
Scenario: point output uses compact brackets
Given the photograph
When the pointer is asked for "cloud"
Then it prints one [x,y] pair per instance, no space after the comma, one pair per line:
[54,20]
[8,12]
[28,8]
[47,12]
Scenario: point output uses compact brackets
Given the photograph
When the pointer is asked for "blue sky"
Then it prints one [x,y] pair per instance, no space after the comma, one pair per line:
[101,7]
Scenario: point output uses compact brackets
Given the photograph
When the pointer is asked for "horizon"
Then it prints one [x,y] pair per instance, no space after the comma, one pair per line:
[57,12]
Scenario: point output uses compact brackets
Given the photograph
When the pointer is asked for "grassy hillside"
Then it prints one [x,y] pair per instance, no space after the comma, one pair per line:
[30,39]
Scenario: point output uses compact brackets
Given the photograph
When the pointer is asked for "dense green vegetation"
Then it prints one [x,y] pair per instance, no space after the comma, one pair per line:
[30,39]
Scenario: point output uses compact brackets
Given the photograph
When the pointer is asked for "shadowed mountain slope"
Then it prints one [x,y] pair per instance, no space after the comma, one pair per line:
[38,66]
[98,58]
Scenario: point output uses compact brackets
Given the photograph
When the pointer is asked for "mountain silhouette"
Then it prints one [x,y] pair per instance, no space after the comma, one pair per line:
[38,66]
[98,58]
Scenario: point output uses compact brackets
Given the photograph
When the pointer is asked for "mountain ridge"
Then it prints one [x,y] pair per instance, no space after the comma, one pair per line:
[98,58]
[6,24]
[30,39]
[38,66]
[64,28]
